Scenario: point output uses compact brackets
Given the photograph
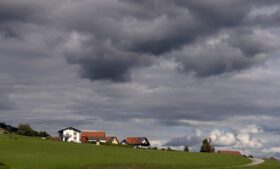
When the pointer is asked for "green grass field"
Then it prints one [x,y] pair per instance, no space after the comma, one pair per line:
[21,152]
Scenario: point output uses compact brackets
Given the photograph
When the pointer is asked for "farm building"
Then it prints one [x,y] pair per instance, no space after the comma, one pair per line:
[230,152]
[136,141]
[93,136]
[112,140]
[70,134]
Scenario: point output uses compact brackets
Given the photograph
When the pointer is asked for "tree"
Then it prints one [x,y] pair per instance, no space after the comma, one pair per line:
[207,146]
[43,134]
[25,129]
[186,149]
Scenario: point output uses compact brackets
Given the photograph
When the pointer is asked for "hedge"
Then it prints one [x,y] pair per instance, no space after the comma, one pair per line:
[3,166]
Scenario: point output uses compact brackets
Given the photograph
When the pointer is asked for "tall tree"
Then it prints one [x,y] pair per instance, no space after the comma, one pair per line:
[186,149]
[207,146]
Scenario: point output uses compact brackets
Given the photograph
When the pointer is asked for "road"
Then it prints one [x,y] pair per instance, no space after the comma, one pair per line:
[255,161]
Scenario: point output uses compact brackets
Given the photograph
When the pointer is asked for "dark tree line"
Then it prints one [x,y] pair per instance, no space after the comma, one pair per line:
[8,128]
[206,147]
[26,130]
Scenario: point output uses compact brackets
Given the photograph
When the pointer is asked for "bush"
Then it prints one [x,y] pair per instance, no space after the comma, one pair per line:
[26,130]
[4,166]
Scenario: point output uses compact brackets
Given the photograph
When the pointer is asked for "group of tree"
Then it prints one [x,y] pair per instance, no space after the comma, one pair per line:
[26,130]
[206,147]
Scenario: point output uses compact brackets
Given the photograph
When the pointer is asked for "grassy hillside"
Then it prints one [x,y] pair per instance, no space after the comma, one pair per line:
[32,153]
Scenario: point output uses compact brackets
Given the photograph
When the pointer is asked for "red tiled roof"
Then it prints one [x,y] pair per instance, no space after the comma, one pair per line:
[133,140]
[97,134]
[230,152]
[136,141]
[85,135]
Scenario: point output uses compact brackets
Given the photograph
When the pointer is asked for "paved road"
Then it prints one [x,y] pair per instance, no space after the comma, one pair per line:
[255,161]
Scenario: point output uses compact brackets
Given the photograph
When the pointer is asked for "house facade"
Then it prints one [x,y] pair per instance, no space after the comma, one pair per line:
[112,140]
[70,134]
[136,141]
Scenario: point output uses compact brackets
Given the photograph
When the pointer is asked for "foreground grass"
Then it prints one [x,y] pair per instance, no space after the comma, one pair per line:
[32,153]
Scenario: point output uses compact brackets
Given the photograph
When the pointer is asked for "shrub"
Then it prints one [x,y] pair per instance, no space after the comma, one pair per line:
[4,166]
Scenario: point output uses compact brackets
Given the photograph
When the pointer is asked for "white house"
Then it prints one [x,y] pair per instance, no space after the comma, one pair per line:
[70,134]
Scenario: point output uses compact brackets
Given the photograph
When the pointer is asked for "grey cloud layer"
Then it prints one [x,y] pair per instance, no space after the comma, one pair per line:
[123,35]
[136,29]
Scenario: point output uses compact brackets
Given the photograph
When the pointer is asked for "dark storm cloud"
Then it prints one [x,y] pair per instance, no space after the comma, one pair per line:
[229,52]
[102,61]
[125,32]
[15,10]
[116,36]
[16,13]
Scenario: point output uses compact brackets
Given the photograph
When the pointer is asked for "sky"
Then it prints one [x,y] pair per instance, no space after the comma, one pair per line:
[174,71]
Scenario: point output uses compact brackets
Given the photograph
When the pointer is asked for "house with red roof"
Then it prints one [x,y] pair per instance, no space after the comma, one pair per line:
[136,141]
[93,136]
[112,140]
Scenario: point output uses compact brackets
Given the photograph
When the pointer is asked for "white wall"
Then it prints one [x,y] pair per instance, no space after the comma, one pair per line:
[74,136]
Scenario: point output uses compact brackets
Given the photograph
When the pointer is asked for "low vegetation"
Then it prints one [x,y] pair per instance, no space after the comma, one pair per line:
[4,166]
[21,152]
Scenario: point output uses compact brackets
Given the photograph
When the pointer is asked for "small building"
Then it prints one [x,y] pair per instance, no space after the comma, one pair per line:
[93,136]
[136,141]
[112,140]
[70,134]
[2,131]
[230,152]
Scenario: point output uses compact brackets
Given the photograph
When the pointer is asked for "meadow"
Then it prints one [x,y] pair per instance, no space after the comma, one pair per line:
[20,152]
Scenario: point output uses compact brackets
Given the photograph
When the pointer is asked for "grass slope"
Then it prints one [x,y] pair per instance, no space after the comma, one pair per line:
[32,153]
